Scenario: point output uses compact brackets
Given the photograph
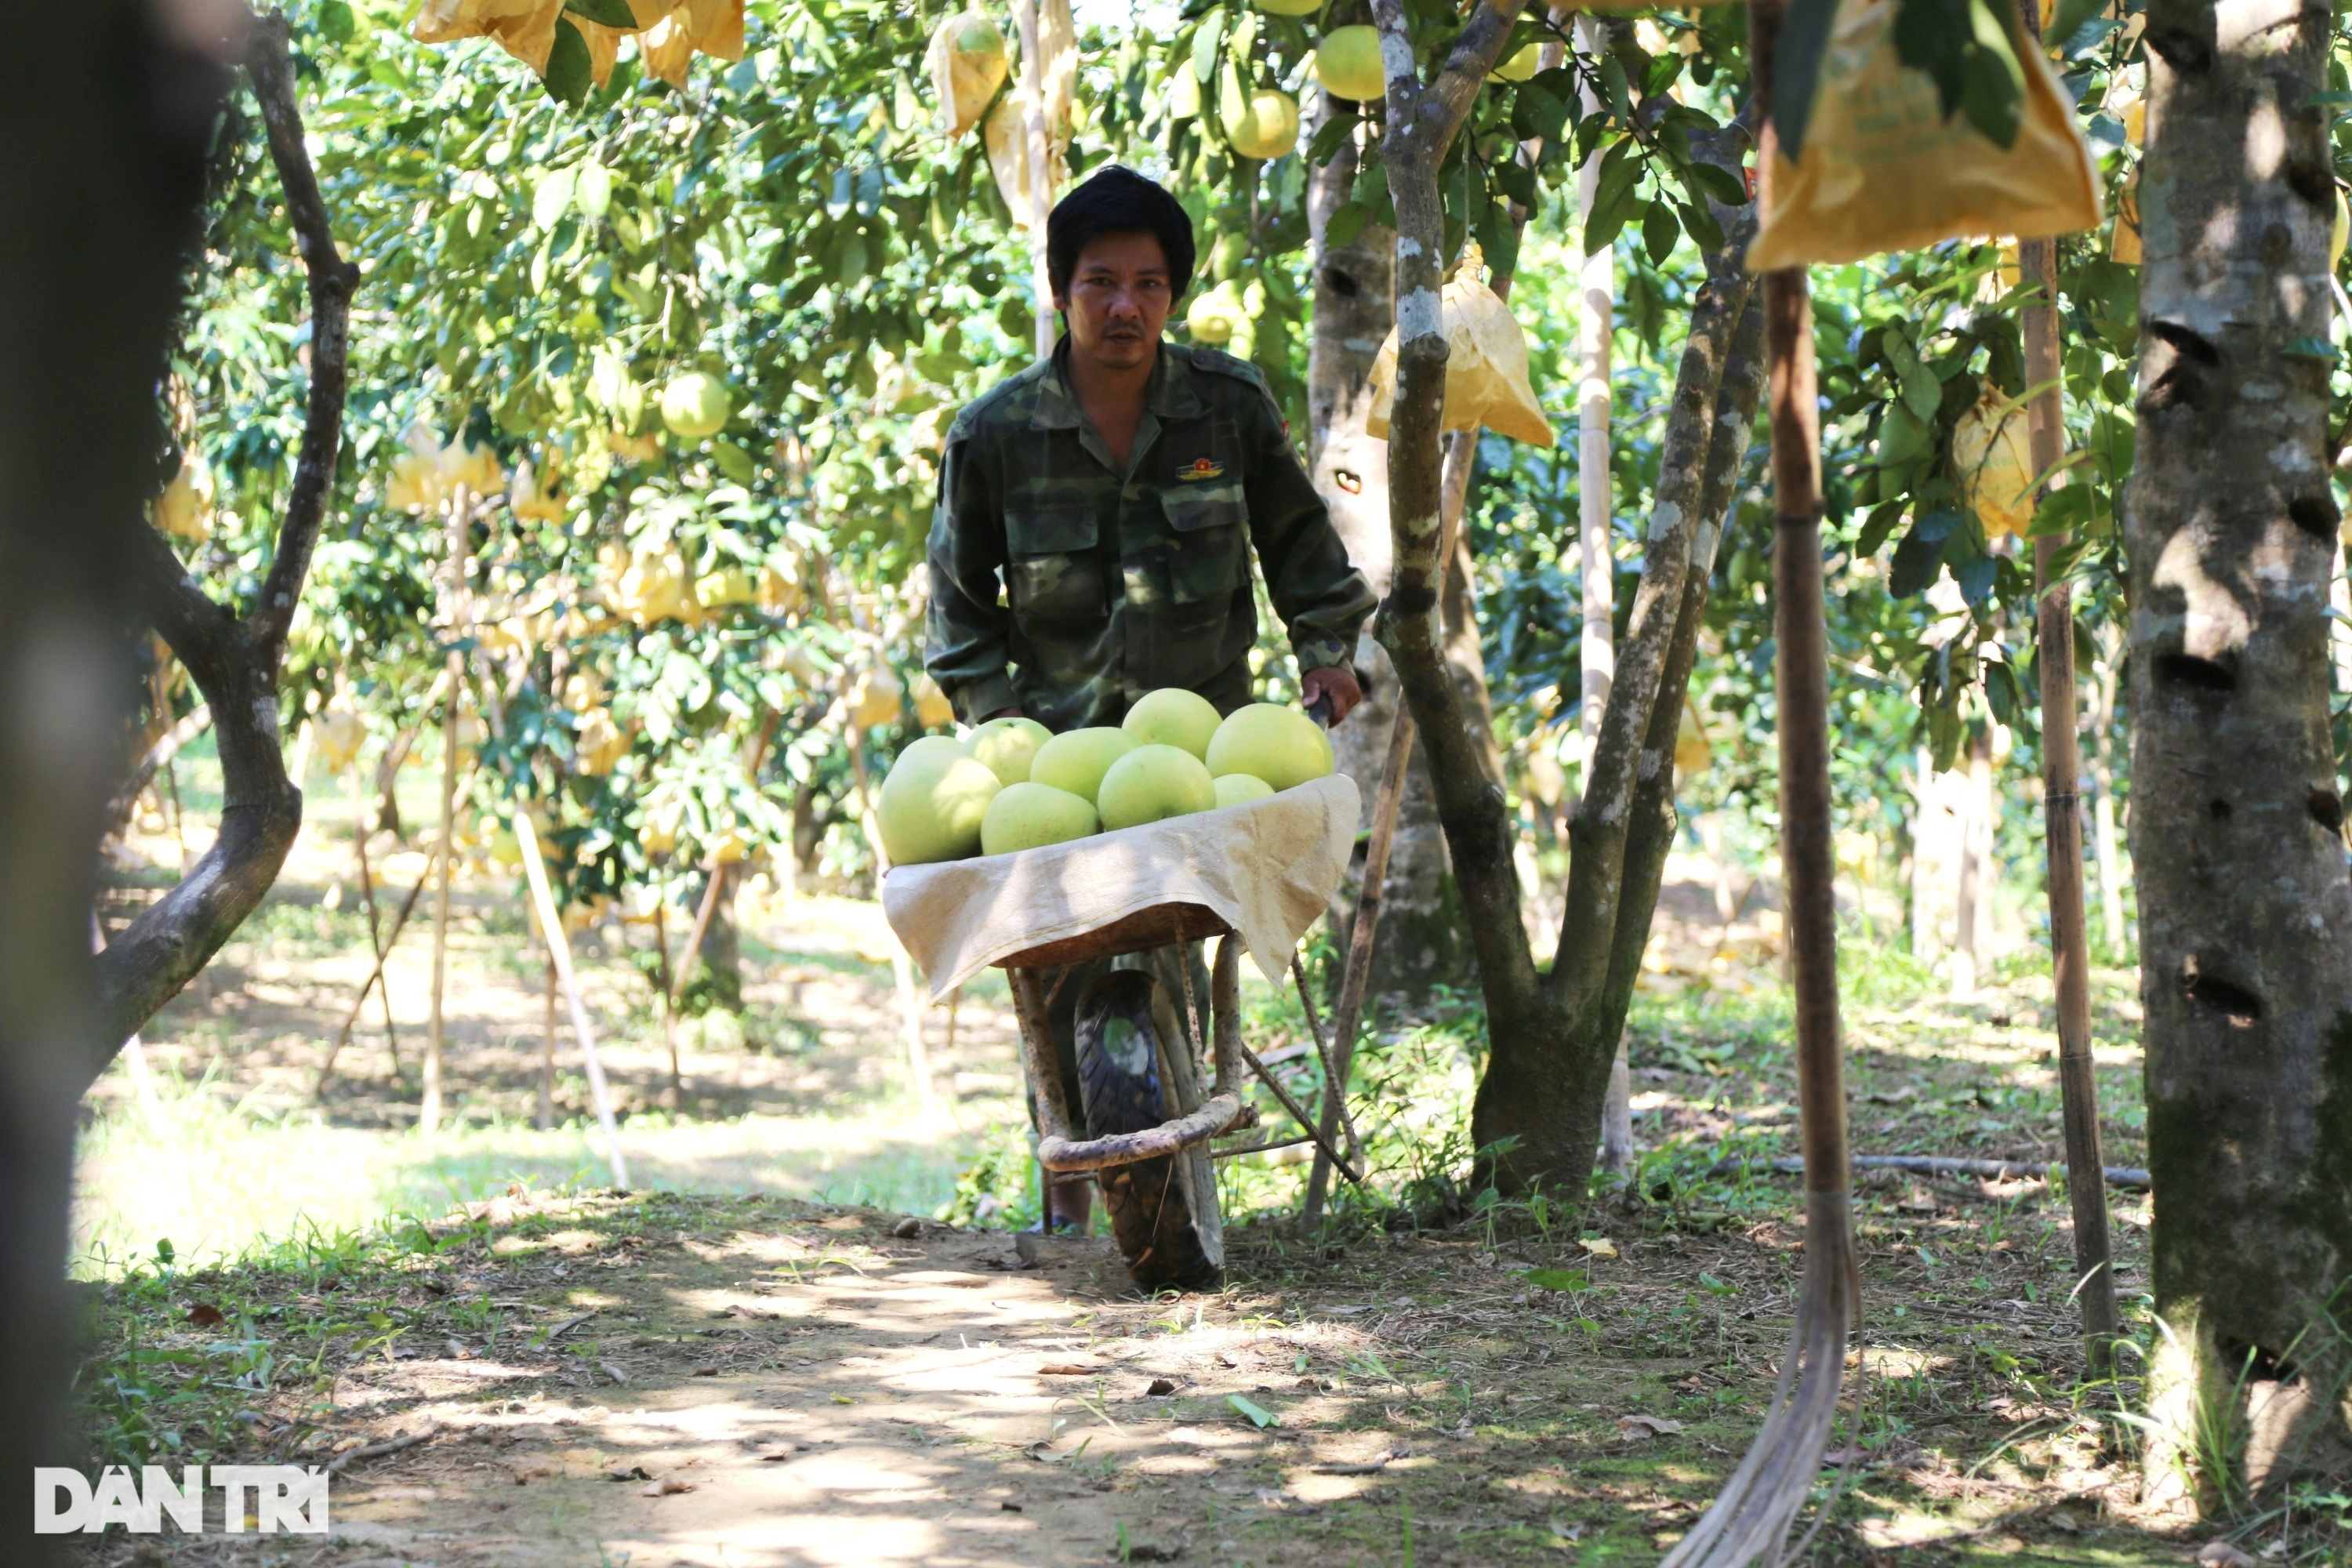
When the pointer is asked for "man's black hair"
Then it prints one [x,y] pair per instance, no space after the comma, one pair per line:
[1118,201]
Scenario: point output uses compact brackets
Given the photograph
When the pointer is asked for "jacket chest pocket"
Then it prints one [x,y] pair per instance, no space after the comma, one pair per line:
[1206,542]
[1052,575]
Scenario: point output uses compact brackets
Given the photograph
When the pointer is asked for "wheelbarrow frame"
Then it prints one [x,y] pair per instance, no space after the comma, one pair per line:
[1223,1110]
[1197,1120]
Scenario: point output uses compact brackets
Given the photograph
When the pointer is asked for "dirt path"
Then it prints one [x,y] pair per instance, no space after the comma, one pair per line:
[661,1379]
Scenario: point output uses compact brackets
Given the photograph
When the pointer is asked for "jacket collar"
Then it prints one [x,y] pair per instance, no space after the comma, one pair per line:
[1170,394]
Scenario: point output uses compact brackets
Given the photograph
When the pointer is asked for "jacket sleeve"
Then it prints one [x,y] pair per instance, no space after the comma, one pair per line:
[968,630]
[1322,599]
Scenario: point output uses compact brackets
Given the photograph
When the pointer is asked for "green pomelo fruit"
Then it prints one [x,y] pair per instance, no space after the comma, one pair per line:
[1289,7]
[945,747]
[1076,760]
[1007,746]
[695,406]
[1278,744]
[1172,716]
[932,805]
[1268,127]
[1152,783]
[1031,815]
[1348,63]
[1234,788]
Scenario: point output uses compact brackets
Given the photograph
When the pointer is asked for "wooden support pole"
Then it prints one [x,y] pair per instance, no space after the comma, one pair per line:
[362,829]
[545,1117]
[2070,946]
[1749,1520]
[558,950]
[375,977]
[428,1113]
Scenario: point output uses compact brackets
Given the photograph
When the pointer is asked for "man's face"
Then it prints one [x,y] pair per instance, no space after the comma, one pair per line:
[1117,300]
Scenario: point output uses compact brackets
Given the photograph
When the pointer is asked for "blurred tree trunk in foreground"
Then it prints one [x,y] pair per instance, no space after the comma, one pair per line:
[103,184]
[2237,809]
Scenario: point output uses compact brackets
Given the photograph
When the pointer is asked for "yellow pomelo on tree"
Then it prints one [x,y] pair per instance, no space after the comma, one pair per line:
[1007,746]
[1268,125]
[933,805]
[1278,744]
[1172,716]
[1232,789]
[1152,783]
[695,406]
[1519,66]
[1348,63]
[1031,815]
[1076,760]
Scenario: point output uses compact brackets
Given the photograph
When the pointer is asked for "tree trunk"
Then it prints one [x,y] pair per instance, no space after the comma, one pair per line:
[104,189]
[1539,1103]
[235,663]
[2102,803]
[1421,942]
[2246,972]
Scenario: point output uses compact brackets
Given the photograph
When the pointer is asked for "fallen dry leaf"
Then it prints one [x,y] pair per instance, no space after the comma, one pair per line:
[1161,1385]
[1599,1246]
[668,1486]
[1067,1369]
[205,1315]
[2220,1553]
[1640,1428]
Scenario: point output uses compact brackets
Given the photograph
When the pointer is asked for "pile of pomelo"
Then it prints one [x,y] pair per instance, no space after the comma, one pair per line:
[1013,785]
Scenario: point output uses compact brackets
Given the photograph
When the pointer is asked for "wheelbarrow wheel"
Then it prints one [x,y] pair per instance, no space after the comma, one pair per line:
[1119,1075]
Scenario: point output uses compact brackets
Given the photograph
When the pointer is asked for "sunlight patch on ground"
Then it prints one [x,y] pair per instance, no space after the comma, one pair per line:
[217,1181]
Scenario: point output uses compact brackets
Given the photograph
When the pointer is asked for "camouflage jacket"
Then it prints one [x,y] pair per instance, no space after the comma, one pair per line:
[1118,586]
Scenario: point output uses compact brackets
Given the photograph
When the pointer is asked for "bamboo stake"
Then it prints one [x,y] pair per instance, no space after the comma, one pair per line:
[362,825]
[670,989]
[2070,946]
[545,1117]
[558,950]
[1750,1519]
[428,1113]
[376,976]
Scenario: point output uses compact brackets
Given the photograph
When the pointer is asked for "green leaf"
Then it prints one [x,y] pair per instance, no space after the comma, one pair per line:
[1330,135]
[1514,180]
[591,194]
[1878,528]
[553,198]
[335,23]
[1994,94]
[1259,1416]
[569,74]
[1920,553]
[1567,1279]
[1659,231]
[2318,349]
[1700,224]
[1205,47]
[1498,236]
[734,462]
[1712,179]
[611,13]
[2072,15]
[1346,222]
[1797,69]
[1537,113]
[1902,436]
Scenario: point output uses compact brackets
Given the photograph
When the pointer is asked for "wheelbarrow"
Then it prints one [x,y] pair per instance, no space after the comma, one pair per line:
[1145,1046]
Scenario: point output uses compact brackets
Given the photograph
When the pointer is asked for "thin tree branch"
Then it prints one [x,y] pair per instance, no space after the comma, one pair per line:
[269,64]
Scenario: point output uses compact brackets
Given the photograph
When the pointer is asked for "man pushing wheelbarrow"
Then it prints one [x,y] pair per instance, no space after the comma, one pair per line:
[1091,545]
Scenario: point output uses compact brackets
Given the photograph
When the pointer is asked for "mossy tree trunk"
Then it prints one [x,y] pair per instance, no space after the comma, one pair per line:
[2245,911]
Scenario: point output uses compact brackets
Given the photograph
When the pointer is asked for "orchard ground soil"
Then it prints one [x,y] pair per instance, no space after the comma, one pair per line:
[737,1365]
